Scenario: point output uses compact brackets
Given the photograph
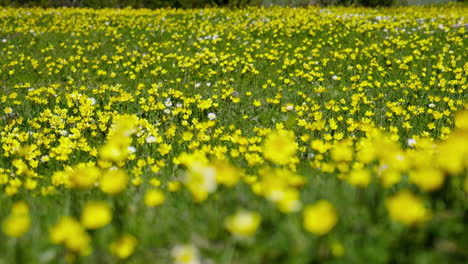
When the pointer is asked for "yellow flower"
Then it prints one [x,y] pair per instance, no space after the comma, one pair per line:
[124,246]
[113,181]
[164,149]
[185,254]
[337,249]
[173,186]
[342,151]
[243,223]
[154,197]
[359,177]
[466,184]
[461,120]
[113,151]
[226,173]
[289,201]
[389,178]
[280,147]
[406,208]
[84,177]
[96,215]
[200,180]
[69,232]
[320,217]
[8,110]
[428,179]
[18,222]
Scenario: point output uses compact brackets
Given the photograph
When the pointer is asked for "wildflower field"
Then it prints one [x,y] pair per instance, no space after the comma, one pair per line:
[259,135]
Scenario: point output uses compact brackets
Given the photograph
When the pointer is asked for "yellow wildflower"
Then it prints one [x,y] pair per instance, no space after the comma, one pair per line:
[461,120]
[154,197]
[18,222]
[280,147]
[96,215]
[84,177]
[359,177]
[124,246]
[320,217]
[243,223]
[113,181]
[226,173]
[406,208]
[185,254]
[337,249]
[69,232]
[428,179]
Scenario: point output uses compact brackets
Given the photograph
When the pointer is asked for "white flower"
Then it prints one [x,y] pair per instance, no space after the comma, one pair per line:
[179,105]
[132,149]
[92,100]
[167,111]
[211,116]
[334,77]
[63,133]
[4,40]
[431,105]
[44,158]
[168,103]
[289,107]
[150,139]
[411,142]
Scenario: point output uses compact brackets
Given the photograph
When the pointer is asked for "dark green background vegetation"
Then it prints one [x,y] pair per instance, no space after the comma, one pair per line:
[206,3]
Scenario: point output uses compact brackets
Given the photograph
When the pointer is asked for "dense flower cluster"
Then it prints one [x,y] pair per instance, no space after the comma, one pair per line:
[240,136]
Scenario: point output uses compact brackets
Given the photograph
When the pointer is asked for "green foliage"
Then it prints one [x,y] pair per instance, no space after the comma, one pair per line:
[152,4]
[349,65]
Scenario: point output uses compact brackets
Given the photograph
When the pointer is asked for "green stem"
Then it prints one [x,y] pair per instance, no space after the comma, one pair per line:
[18,251]
[228,252]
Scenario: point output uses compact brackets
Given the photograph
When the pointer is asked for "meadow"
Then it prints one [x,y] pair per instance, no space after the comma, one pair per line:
[257,135]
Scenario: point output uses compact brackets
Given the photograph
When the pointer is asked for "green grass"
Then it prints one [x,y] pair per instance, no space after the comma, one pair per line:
[281,54]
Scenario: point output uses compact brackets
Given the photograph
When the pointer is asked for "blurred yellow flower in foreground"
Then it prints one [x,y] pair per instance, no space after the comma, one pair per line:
[461,120]
[226,173]
[68,231]
[154,197]
[18,222]
[84,177]
[185,254]
[113,181]
[406,208]
[428,179]
[124,246]
[280,147]
[337,249]
[200,179]
[243,223]
[96,215]
[320,217]
[466,184]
